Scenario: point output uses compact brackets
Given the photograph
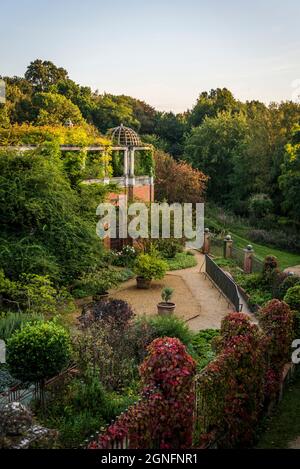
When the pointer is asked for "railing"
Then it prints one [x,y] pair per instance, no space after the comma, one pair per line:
[223,282]
[217,247]
[25,395]
[237,254]
[257,265]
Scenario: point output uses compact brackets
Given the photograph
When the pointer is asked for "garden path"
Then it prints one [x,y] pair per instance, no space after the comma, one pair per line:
[294,268]
[197,300]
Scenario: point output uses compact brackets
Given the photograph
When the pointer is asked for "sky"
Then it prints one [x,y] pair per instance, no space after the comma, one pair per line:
[164,52]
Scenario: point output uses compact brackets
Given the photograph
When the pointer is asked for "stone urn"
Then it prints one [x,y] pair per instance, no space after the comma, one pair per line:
[165,308]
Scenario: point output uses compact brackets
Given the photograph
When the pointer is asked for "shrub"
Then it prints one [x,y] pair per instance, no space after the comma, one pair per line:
[79,408]
[270,263]
[202,347]
[125,257]
[107,349]
[96,282]
[182,260]
[278,239]
[231,392]
[10,322]
[170,326]
[150,267]
[288,283]
[292,297]
[33,294]
[236,324]
[276,320]
[270,271]
[278,281]
[260,205]
[38,351]
[167,359]
[116,312]
[168,248]
[167,374]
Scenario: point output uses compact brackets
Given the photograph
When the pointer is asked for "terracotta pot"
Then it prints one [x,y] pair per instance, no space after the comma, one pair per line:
[100,296]
[143,283]
[164,308]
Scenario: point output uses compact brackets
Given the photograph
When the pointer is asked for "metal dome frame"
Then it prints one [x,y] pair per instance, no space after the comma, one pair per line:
[124,136]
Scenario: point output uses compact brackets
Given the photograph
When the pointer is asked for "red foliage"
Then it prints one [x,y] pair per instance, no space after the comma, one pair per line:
[178,181]
[164,417]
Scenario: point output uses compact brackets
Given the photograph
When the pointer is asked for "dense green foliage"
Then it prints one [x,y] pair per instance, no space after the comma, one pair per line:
[249,150]
[150,267]
[47,227]
[38,351]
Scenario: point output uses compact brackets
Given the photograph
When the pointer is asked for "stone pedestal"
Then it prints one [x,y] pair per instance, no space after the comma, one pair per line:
[206,241]
[228,247]
[248,259]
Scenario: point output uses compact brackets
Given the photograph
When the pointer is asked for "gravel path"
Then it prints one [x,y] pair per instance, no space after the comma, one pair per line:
[197,300]
[295,269]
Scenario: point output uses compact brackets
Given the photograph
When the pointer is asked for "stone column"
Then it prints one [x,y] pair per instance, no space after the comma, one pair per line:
[228,247]
[248,259]
[126,162]
[206,241]
[131,163]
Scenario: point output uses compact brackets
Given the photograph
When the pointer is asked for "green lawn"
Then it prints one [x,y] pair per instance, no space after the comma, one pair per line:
[239,235]
[286,259]
[182,260]
[284,426]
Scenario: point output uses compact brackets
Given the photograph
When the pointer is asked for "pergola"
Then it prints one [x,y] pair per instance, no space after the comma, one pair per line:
[124,139]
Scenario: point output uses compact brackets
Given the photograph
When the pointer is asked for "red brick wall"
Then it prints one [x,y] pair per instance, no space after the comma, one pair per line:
[142,193]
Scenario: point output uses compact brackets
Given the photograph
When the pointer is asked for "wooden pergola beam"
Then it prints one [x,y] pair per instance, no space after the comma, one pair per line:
[73,148]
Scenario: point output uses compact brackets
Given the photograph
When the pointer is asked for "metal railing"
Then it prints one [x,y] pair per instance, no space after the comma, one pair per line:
[20,393]
[225,284]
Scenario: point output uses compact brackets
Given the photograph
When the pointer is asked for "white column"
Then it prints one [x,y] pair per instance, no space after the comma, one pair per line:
[131,162]
[126,162]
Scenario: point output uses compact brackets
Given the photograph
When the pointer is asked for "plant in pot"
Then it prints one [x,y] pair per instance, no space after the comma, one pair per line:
[149,267]
[166,306]
[98,282]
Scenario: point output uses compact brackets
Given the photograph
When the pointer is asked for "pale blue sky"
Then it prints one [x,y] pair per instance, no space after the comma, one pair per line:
[162,51]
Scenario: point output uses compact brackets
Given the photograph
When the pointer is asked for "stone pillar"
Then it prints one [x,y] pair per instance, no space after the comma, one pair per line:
[126,162]
[206,241]
[228,247]
[131,162]
[151,181]
[248,259]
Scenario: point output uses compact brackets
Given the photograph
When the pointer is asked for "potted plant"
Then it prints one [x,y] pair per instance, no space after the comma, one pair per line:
[148,267]
[97,282]
[166,306]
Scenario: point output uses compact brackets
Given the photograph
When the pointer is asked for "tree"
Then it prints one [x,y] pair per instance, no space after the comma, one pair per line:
[38,351]
[81,96]
[289,180]
[42,74]
[110,111]
[171,128]
[210,104]
[4,119]
[53,109]
[213,147]
[177,181]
